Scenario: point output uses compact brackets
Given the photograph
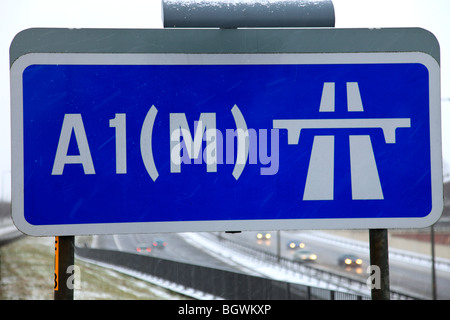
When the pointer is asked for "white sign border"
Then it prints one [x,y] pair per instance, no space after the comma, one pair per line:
[26,60]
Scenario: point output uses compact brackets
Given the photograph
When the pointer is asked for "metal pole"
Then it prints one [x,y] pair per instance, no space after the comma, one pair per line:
[433,267]
[379,256]
[64,257]
[247,14]
[278,246]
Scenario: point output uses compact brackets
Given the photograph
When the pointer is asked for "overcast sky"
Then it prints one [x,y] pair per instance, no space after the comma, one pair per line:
[17,15]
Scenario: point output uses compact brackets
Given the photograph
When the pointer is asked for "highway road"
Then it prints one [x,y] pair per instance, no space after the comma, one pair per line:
[178,248]
[8,231]
[405,277]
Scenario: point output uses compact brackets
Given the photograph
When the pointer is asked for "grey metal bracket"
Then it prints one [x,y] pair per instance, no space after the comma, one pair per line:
[248,13]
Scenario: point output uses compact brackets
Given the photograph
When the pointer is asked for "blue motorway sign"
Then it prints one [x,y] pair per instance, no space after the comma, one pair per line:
[122,143]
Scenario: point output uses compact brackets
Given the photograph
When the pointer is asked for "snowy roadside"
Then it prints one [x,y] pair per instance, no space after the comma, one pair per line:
[26,273]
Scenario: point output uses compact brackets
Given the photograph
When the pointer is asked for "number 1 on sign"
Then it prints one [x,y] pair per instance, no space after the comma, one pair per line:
[119,123]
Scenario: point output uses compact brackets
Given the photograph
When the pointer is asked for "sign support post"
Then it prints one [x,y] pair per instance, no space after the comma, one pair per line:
[379,256]
[433,266]
[64,257]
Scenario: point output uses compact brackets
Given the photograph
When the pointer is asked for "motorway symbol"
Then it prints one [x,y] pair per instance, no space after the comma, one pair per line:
[365,180]
[174,142]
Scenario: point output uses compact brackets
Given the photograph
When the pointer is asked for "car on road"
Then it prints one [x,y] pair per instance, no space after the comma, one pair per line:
[295,244]
[159,243]
[305,256]
[144,248]
[349,260]
[263,236]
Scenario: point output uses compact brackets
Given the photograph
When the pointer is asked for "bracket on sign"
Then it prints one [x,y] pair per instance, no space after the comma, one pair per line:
[248,14]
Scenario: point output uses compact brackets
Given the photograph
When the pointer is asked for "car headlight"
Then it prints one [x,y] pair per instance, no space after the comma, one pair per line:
[268,235]
[348,261]
[313,257]
[292,245]
[259,235]
[301,245]
[358,261]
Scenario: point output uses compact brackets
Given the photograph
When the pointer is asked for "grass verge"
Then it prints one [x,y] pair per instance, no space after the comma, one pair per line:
[26,273]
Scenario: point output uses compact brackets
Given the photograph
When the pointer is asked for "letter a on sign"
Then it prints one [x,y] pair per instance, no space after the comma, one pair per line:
[75,123]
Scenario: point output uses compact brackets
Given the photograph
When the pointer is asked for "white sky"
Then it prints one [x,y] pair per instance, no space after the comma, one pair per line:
[17,15]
